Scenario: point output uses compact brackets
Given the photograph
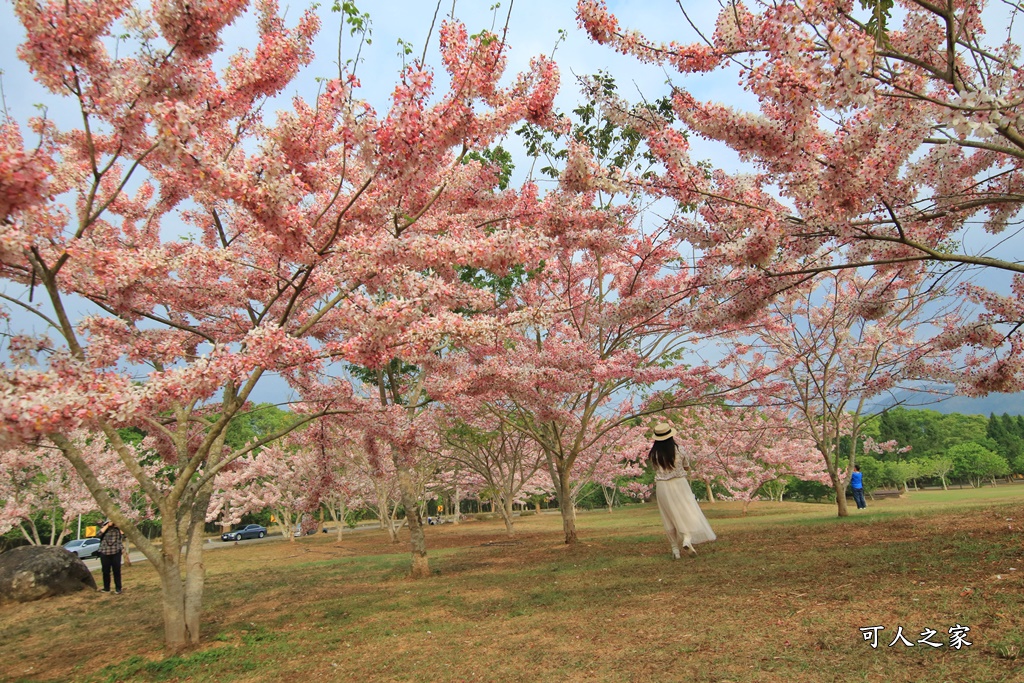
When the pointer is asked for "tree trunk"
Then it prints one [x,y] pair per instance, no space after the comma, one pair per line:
[391,524]
[53,526]
[609,496]
[176,632]
[176,636]
[33,538]
[506,515]
[289,527]
[339,519]
[195,582]
[568,510]
[944,487]
[841,499]
[417,540]
[456,506]
[711,494]
[195,570]
[284,521]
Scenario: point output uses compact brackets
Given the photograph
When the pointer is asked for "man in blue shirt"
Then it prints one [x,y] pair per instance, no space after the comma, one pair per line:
[857,484]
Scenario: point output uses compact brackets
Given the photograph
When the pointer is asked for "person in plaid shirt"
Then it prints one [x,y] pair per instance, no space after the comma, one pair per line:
[111,547]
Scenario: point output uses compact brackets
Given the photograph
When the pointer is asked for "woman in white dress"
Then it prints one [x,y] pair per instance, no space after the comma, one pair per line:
[684,522]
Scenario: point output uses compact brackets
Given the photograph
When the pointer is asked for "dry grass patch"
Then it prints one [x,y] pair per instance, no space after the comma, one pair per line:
[780,596]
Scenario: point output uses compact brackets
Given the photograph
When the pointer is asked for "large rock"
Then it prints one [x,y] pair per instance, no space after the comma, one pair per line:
[41,571]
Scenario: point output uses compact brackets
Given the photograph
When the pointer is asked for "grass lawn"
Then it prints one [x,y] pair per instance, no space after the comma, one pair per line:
[781,596]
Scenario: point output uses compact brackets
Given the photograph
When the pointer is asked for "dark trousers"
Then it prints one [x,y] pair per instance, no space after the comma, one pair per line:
[858,497]
[111,563]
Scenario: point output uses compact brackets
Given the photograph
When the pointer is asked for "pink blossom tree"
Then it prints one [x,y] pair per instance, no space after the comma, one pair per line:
[747,449]
[879,137]
[336,490]
[615,460]
[378,477]
[844,348]
[39,480]
[353,470]
[299,224]
[604,327]
[278,478]
[34,484]
[701,436]
[506,461]
[451,485]
[601,331]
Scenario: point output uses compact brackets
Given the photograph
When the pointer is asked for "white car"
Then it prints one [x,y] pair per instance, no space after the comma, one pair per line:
[83,547]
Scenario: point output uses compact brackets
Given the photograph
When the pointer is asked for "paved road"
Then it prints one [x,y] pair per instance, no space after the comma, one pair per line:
[213,543]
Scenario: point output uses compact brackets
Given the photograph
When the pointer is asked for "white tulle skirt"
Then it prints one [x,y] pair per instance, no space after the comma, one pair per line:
[680,513]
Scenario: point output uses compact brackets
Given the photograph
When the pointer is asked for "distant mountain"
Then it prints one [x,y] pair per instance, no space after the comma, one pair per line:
[1012,404]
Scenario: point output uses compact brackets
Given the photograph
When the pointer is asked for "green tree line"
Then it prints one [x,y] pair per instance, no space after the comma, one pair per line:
[939,449]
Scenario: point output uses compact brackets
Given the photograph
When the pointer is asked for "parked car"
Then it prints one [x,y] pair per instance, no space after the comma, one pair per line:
[83,547]
[249,531]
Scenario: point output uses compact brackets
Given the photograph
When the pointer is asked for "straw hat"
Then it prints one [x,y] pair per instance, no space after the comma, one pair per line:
[663,431]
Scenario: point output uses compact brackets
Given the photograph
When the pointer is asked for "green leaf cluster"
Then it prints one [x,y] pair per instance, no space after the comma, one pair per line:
[357,22]
[881,13]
